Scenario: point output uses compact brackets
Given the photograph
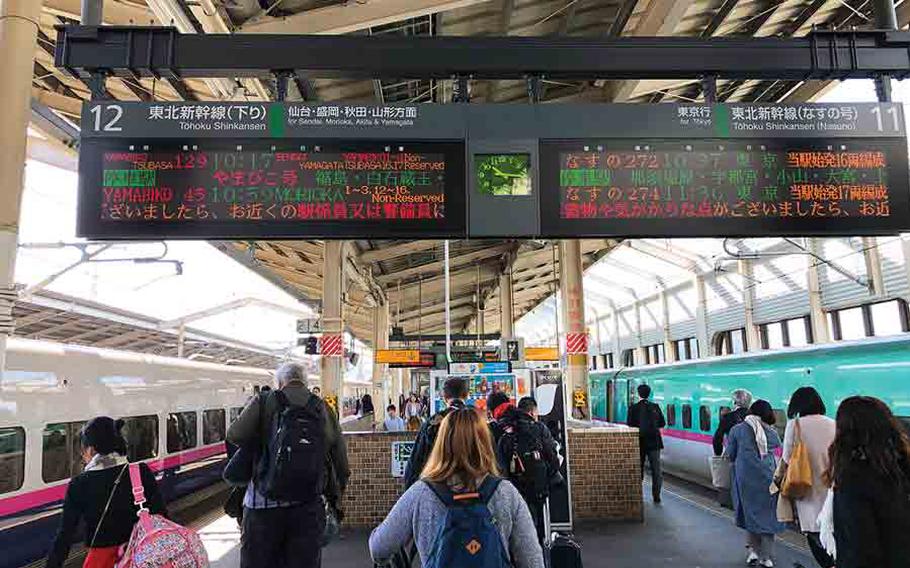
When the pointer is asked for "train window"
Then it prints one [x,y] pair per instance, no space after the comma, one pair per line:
[608,360]
[12,459]
[61,456]
[773,335]
[704,419]
[687,416]
[213,426]
[235,413]
[181,431]
[671,415]
[141,433]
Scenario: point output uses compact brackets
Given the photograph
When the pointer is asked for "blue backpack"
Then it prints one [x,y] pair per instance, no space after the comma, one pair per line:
[469,537]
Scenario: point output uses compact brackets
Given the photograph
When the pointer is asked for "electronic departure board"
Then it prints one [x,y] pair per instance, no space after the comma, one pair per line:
[245,170]
[723,187]
[249,190]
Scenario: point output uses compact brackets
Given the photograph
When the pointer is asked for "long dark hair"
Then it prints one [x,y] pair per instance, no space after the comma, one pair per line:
[867,432]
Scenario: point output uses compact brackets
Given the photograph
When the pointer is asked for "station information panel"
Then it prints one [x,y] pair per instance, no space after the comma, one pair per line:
[290,170]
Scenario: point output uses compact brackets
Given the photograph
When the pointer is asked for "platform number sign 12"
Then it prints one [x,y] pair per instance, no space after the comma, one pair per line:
[106,118]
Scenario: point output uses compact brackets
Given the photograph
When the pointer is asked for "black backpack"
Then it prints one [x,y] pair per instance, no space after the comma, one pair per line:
[292,467]
[522,452]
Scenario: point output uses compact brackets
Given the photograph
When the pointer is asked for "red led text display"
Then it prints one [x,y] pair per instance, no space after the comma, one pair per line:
[308,191]
[628,188]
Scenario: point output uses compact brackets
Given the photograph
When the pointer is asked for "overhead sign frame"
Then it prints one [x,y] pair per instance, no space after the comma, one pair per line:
[539,142]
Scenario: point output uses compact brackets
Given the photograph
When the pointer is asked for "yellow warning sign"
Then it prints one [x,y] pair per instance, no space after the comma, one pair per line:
[398,356]
[541,354]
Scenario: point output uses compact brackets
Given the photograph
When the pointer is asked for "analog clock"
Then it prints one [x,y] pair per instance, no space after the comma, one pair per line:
[503,174]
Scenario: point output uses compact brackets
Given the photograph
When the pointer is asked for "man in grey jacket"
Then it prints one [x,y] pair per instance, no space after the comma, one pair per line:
[284,533]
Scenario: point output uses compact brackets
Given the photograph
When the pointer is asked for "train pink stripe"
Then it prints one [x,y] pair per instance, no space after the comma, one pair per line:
[26,501]
[690,436]
[33,499]
[185,458]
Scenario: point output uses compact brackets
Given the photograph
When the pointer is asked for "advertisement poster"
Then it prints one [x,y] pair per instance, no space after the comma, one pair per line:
[479,388]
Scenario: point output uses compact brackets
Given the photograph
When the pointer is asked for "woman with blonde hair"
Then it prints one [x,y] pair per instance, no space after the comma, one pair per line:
[461,500]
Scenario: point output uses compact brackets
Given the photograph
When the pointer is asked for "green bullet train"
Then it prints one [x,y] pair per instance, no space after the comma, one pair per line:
[694,394]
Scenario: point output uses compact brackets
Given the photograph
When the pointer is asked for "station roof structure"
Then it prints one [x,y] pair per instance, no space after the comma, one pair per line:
[52,316]
[408,274]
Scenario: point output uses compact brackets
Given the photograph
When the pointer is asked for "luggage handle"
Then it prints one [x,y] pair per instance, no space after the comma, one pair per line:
[138,489]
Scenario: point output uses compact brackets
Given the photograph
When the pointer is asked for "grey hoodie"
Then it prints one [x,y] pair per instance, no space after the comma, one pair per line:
[419,514]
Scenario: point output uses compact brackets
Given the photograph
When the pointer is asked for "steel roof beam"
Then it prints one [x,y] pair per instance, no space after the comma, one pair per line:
[821,55]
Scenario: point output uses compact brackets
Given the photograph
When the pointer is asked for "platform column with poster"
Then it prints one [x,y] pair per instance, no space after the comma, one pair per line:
[548,391]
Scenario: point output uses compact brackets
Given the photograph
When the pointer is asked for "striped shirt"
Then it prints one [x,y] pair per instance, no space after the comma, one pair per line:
[253,499]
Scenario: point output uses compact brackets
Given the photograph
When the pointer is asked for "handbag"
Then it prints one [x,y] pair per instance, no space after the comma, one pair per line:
[798,478]
[721,472]
[239,469]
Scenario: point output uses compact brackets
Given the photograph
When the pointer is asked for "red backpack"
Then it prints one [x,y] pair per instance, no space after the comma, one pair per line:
[157,542]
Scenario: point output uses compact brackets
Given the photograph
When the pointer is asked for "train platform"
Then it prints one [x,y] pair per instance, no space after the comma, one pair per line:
[686,530]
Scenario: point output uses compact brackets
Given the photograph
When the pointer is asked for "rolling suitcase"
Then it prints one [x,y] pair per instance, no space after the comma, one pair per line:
[560,551]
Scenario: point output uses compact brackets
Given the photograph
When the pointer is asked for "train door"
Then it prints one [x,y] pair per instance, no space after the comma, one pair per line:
[611,412]
[622,389]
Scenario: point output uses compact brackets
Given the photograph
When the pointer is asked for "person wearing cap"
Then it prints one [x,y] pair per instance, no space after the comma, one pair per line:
[102,498]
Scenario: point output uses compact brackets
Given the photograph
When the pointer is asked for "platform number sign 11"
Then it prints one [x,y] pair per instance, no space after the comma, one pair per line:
[106,118]
[881,122]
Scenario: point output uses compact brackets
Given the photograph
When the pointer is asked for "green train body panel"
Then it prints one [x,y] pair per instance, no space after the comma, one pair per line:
[877,367]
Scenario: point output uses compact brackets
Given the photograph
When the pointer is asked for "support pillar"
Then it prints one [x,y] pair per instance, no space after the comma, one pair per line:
[380,372]
[617,343]
[18,35]
[181,341]
[701,317]
[506,313]
[753,341]
[817,319]
[639,353]
[573,318]
[668,338]
[332,377]
[873,258]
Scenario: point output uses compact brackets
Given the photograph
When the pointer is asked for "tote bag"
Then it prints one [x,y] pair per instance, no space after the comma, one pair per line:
[721,469]
[798,479]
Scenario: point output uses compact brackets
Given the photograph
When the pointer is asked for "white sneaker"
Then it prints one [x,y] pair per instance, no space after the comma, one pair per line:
[767,563]
[752,559]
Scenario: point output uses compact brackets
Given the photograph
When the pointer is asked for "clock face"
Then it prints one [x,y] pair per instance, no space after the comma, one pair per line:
[503,174]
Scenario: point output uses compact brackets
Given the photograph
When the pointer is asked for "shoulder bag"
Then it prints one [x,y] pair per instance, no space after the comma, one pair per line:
[798,477]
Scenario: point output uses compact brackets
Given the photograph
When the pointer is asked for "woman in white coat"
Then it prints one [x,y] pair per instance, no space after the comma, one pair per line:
[809,424]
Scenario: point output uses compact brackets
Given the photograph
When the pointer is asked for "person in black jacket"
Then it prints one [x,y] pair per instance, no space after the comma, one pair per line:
[742,400]
[870,472]
[454,392]
[522,421]
[649,419]
[101,497]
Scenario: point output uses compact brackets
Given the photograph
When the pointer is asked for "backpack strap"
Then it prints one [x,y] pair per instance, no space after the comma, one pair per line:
[488,488]
[442,492]
[138,489]
[450,499]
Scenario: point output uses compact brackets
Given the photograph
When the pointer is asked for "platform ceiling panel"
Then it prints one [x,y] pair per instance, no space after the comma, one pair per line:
[407,274]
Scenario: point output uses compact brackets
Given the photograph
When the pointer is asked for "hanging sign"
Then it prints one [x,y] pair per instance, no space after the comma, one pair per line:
[541,354]
[398,356]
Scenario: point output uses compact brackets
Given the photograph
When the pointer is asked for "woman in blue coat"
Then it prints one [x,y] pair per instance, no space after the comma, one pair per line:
[751,446]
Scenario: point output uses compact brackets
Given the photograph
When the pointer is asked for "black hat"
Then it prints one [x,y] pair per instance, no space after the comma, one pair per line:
[103,434]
